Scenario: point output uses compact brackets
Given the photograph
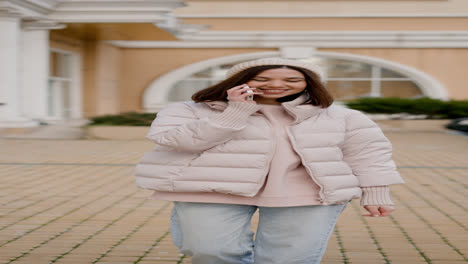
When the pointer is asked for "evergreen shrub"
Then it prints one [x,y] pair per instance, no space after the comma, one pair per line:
[433,108]
[124,119]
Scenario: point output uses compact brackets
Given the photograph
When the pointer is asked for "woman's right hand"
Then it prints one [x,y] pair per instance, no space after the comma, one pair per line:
[239,94]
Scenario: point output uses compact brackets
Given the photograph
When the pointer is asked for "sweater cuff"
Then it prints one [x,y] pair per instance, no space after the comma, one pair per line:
[236,114]
[376,195]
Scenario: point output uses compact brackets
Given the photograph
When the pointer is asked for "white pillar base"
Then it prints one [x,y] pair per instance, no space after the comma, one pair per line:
[18,123]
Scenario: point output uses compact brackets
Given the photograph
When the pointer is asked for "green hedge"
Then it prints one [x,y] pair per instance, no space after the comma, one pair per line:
[433,108]
[124,119]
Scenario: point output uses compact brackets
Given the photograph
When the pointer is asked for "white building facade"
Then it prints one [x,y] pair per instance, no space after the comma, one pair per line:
[71,59]
[41,84]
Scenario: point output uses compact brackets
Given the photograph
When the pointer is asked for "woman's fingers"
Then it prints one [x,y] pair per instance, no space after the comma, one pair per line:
[386,210]
[239,87]
[373,210]
[239,93]
[379,210]
[237,90]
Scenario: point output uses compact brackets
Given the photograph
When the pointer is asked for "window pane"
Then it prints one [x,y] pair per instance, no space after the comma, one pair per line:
[184,89]
[50,98]
[53,61]
[347,90]
[347,69]
[64,68]
[228,66]
[66,100]
[59,65]
[391,74]
[403,89]
[203,74]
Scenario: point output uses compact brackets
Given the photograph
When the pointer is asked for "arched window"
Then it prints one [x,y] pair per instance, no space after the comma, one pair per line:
[346,80]
[350,76]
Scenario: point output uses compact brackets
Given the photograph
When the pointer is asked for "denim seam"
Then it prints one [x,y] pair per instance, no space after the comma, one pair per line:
[338,210]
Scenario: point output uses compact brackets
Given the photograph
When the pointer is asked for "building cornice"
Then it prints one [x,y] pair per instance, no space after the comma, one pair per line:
[37,6]
[42,25]
[8,11]
[26,8]
[102,11]
[91,11]
[178,28]
[92,4]
[318,39]
[355,15]
[41,6]
[53,14]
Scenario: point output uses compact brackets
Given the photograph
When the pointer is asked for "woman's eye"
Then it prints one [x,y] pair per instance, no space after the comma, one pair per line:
[265,80]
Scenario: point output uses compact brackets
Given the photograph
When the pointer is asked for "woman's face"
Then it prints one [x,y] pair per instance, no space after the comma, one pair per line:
[277,83]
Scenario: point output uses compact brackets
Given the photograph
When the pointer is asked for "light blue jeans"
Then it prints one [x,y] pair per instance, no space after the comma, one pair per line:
[221,234]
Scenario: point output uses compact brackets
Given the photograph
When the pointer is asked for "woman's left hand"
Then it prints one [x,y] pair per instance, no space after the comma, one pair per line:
[379,210]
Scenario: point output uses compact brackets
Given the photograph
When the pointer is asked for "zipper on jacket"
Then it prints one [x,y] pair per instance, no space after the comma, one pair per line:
[321,194]
[270,158]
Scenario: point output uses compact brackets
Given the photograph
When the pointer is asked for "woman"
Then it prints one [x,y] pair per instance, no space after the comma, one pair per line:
[288,153]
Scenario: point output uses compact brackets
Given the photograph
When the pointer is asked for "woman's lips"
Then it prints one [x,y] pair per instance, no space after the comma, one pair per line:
[273,91]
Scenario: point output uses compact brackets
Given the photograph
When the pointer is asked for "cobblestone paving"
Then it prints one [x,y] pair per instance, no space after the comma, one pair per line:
[74,201]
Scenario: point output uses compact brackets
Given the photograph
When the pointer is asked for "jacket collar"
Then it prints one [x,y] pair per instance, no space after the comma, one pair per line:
[296,108]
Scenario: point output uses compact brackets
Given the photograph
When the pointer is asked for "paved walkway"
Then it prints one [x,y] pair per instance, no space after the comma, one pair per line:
[74,202]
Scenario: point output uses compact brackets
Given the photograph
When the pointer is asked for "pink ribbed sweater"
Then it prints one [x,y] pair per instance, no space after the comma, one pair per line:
[287,183]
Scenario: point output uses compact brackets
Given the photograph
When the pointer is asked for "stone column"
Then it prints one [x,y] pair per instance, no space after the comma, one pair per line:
[35,72]
[11,114]
[35,53]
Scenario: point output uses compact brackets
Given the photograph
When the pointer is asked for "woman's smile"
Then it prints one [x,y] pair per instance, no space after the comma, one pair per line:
[272,91]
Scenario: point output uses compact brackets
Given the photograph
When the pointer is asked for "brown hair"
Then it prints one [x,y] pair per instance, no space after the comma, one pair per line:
[318,94]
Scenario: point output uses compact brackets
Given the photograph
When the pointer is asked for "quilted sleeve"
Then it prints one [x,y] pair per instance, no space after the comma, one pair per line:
[176,126]
[368,152]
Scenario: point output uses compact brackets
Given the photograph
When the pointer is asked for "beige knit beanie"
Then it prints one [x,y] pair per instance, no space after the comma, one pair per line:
[276,61]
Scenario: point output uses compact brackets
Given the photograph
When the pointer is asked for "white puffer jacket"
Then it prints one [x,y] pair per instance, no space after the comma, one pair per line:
[227,148]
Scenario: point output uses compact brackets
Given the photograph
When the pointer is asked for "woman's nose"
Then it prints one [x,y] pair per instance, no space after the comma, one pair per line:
[275,83]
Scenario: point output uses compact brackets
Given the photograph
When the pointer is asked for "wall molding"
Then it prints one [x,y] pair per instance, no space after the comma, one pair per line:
[318,39]
[107,11]
[177,27]
[30,8]
[91,11]
[41,25]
